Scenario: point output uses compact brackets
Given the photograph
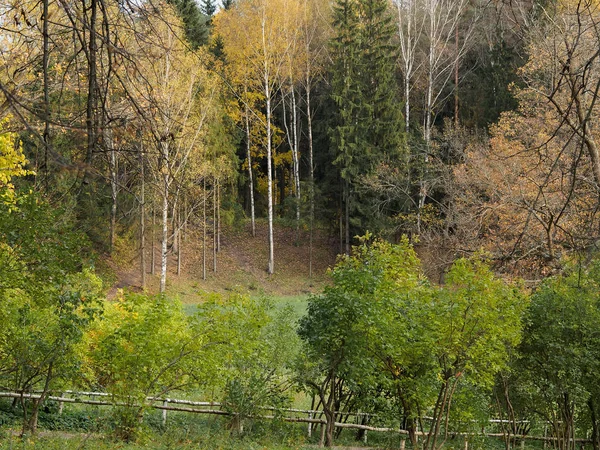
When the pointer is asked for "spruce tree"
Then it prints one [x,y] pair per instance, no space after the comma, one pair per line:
[209,8]
[367,122]
[194,21]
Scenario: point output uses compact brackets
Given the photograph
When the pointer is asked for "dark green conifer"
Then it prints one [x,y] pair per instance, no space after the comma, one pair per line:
[194,21]
[367,121]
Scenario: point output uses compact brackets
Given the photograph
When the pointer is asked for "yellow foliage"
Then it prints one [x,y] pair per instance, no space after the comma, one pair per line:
[12,164]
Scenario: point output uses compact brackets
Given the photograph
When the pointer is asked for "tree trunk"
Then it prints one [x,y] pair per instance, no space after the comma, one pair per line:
[215,225]
[311,175]
[456,77]
[347,214]
[250,175]
[165,217]
[177,239]
[46,55]
[271,263]
[296,161]
[142,220]
[218,216]
[204,229]
[594,419]
[92,98]
[153,255]
[30,423]
[113,185]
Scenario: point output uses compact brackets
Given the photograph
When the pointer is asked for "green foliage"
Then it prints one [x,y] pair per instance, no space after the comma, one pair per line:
[194,20]
[554,376]
[141,347]
[382,329]
[366,125]
[46,299]
[261,344]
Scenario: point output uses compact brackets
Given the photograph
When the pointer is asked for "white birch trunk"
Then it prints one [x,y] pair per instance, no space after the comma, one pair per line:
[250,174]
[178,239]
[153,256]
[204,229]
[311,172]
[267,88]
[296,156]
[165,217]
[113,186]
[214,225]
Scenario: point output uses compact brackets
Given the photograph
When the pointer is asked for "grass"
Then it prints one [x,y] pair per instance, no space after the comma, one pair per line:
[297,304]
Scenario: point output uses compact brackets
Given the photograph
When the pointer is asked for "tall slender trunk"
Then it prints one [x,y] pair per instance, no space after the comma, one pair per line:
[296,160]
[165,217]
[92,98]
[214,225]
[204,228]
[267,89]
[114,187]
[428,123]
[175,226]
[456,55]
[271,263]
[153,255]
[594,420]
[311,175]
[178,239]
[347,215]
[250,174]
[45,63]
[142,219]
[407,102]
[218,215]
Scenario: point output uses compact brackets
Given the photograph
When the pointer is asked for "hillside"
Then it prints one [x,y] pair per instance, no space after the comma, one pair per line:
[241,264]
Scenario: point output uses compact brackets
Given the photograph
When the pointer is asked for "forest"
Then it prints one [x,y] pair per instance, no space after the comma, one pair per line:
[444,150]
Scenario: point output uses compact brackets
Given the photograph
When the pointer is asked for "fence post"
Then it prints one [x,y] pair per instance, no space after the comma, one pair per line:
[61,405]
[402,444]
[310,416]
[164,413]
[522,444]
[466,443]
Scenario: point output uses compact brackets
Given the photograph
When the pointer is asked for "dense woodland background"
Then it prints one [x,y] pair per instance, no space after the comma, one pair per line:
[139,134]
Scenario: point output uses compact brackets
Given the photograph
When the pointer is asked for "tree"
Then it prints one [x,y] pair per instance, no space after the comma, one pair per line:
[254,42]
[353,330]
[175,97]
[141,347]
[195,20]
[47,299]
[559,353]
[476,320]
[382,330]
[367,124]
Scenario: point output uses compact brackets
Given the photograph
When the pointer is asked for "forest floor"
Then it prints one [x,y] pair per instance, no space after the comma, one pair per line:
[241,264]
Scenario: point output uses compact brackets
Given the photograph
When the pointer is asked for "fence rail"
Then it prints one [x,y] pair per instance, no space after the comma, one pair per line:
[172,404]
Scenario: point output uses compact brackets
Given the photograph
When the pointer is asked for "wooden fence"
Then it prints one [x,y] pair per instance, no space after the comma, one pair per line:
[310,417]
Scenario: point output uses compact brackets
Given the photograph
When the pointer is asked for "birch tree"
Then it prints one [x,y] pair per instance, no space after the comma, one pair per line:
[252,32]
[176,93]
[411,29]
